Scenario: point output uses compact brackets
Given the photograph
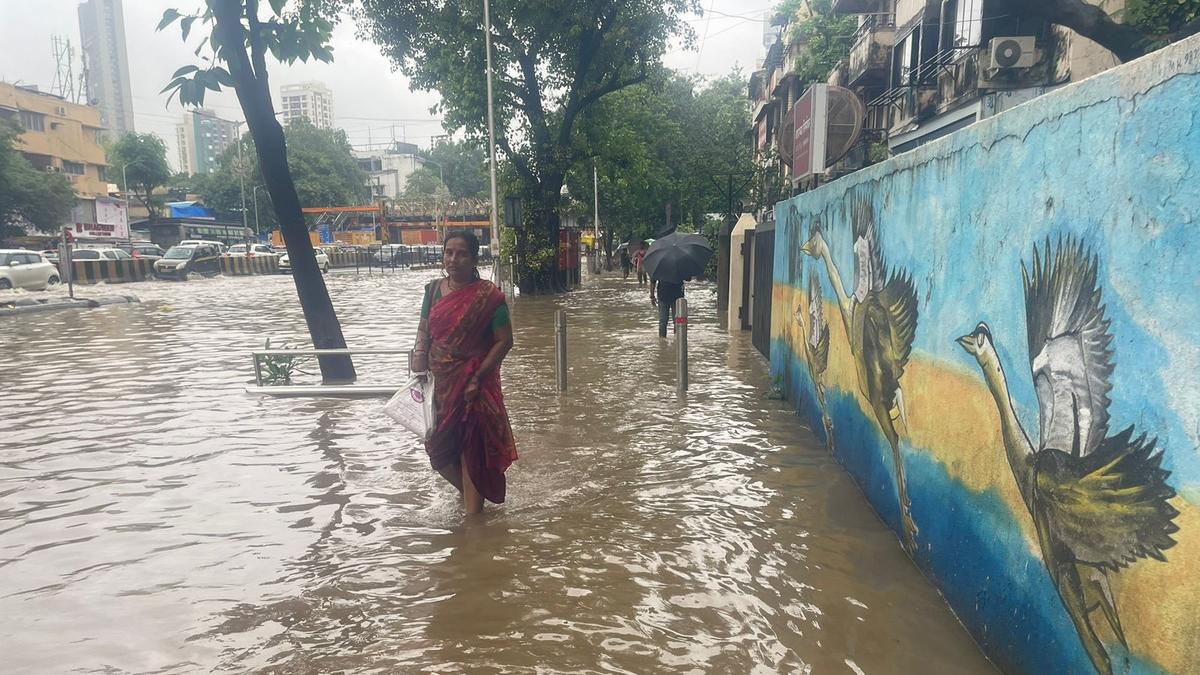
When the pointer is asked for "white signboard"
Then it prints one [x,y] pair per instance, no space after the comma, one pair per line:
[112,221]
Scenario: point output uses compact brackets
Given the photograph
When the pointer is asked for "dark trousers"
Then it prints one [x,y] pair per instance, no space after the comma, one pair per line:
[666,313]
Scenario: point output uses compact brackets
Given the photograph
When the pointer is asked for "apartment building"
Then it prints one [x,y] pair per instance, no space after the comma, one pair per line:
[202,137]
[308,100]
[922,69]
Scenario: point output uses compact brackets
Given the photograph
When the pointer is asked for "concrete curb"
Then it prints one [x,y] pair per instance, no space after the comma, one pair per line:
[32,306]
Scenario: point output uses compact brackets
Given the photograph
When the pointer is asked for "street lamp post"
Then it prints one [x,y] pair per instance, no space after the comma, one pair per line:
[255,196]
[441,173]
[125,185]
[242,178]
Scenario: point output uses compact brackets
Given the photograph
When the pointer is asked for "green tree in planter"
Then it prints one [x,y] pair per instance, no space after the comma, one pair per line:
[239,40]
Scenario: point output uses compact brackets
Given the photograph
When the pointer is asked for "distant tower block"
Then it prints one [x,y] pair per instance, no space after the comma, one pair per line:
[102,39]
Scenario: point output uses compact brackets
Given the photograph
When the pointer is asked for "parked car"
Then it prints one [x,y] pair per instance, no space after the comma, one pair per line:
[397,254]
[249,250]
[142,250]
[285,263]
[51,255]
[181,260]
[100,254]
[26,269]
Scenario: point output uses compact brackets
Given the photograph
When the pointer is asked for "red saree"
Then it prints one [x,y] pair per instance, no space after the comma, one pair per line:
[459,325]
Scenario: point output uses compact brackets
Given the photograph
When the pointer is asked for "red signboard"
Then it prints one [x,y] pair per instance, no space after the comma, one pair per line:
[809,117]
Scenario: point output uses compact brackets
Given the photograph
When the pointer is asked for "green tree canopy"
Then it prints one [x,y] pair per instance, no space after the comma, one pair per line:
[28,196]
[553,61]
[672,140]
[424,182]
[321,164]
[142,158]
[463,165]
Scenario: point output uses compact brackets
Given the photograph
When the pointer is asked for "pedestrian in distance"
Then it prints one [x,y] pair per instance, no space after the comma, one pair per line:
[626,263]
[639,264]
[667,293]
[464,334]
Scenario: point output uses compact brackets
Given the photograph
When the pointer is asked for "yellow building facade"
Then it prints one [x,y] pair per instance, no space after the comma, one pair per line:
[59,136]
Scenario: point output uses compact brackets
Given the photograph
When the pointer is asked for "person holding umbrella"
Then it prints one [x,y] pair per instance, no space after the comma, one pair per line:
[672,260]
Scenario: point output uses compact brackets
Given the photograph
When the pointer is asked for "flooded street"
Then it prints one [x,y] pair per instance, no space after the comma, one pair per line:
[156,517]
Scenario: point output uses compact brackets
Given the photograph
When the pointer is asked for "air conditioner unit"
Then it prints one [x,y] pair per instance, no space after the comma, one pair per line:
[1012,52]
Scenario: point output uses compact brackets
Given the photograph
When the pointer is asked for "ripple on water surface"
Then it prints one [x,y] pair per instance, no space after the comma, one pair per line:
[156,517]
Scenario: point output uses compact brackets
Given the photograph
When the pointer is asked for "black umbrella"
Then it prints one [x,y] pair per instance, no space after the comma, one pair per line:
[678,257]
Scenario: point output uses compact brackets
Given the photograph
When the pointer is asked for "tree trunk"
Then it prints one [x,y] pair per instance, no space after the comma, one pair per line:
[254,95]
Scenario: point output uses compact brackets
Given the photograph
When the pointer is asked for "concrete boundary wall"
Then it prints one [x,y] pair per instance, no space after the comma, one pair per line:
[996,334]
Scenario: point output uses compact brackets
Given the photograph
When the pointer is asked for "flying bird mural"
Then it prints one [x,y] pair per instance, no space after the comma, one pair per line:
[880,317]
[816,347]
[1099,502]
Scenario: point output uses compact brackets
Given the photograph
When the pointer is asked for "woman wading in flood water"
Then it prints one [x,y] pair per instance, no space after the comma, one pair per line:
[464,334]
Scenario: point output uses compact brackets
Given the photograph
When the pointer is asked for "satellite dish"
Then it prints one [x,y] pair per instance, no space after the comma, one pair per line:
[843,123]
[785,139]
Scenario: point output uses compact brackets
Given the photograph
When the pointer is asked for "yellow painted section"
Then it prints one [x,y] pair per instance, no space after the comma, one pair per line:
[953,418]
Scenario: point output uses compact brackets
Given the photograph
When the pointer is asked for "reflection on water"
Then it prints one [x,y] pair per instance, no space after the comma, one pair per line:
[156,517]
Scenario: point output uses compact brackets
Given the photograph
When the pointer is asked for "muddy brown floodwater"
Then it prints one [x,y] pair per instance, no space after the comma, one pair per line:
[155,517]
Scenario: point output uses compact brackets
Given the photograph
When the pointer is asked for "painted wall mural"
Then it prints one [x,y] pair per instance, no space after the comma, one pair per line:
[1044,467]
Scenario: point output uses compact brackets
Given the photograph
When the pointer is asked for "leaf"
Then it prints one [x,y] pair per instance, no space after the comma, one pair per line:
[277,7]
[223,77]
[184,71]
[185,26]
[168,17]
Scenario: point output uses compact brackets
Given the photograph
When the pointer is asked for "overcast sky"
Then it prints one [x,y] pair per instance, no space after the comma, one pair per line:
[370,100]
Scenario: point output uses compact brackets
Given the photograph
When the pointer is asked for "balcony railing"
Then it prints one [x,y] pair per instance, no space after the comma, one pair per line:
[871,52]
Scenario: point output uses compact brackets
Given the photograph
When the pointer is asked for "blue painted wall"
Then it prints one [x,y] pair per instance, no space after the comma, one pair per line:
[1114,162]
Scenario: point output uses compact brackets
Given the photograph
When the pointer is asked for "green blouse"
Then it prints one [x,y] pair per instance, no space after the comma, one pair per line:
[433,293]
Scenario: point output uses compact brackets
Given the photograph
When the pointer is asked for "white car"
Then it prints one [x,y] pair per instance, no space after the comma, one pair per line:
[221,247]
[26,269]
[285,262]
[249,250]
[100,254]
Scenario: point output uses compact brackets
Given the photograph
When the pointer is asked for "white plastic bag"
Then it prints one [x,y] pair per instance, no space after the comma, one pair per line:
[412,406]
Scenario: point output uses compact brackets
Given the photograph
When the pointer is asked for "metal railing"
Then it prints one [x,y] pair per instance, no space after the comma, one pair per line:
[262,385]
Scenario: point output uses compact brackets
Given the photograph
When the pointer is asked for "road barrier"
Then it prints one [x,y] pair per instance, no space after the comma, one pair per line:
[111,271]
[681,345]
[560,348]
[243,266]
[343,259]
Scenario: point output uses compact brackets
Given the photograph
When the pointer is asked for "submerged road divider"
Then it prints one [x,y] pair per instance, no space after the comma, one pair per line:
[244,266]
[111,271]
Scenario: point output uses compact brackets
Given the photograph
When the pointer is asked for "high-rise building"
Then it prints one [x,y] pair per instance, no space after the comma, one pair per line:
[202,137]
[308,100]
[102,34]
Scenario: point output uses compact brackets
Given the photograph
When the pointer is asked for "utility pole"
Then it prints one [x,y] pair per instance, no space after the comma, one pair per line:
[242,180]
[596,216]
[487,38]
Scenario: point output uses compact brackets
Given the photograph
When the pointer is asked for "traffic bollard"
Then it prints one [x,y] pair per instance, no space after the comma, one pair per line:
[681,346]
[560,348]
